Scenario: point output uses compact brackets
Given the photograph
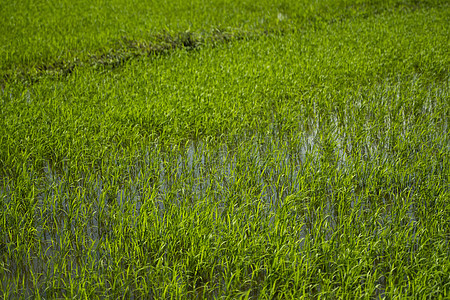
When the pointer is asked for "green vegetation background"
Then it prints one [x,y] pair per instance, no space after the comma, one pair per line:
[224,149]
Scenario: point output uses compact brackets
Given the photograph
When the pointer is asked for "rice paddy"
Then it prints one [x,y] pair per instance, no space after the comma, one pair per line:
[225,150]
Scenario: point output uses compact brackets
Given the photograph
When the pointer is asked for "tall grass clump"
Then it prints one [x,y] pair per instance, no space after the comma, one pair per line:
[276,150]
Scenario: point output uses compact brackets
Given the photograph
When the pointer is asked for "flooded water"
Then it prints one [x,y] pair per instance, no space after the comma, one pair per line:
[261,170]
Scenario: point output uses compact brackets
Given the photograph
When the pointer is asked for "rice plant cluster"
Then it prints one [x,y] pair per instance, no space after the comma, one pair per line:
[225,149]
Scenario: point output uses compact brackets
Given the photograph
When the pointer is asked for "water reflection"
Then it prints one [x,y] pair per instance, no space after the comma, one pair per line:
[260,170]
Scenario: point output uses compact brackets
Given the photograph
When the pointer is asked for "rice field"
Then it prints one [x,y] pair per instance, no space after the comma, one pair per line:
[225,150]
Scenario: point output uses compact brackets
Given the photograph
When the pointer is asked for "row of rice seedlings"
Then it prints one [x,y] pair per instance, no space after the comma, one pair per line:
[229,91]
[385,192]
[110,34]
[311,186]
[255,219]
[286,191]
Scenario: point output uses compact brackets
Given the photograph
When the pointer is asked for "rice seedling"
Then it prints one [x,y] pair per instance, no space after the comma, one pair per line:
[269,150]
